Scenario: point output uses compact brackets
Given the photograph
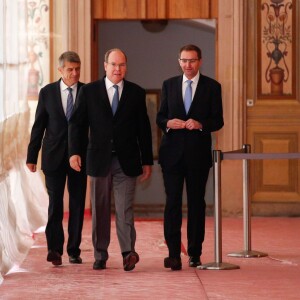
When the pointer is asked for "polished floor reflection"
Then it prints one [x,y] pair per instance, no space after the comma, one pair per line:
[273,277]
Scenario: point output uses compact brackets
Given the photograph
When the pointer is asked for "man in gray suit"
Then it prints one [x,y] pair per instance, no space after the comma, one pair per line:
[119,150]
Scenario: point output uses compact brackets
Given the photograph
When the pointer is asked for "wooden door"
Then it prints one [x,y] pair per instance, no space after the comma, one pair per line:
[273,107]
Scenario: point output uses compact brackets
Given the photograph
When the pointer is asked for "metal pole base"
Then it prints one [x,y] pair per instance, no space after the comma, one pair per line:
[247,253]
[218,266]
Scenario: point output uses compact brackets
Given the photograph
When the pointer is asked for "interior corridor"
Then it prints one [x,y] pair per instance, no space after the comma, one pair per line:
[273,277]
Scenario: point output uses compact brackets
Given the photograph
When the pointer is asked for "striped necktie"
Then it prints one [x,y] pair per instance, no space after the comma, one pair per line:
[115,100]
[69,104]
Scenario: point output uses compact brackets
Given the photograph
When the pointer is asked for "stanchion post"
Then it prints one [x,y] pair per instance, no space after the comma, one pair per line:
[218,208]
[246,202]
[218,264]
[247,252]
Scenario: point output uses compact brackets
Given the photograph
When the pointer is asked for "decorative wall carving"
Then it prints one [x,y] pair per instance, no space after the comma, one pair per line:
[276,49]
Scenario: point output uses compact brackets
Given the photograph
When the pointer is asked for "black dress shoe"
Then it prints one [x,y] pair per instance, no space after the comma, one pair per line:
[130,260]
[73,259]
[194,261]
[99,265]
[54,257]
[173,263]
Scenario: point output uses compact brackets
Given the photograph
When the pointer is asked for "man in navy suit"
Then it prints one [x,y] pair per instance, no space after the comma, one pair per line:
[191,108]
[50,131]
[119,150]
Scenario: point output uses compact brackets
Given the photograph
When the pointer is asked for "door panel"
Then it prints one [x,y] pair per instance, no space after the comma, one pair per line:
[153,9]
[273,107]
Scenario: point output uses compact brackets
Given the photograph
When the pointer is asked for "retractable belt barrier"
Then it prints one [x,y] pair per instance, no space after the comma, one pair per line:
[245,155]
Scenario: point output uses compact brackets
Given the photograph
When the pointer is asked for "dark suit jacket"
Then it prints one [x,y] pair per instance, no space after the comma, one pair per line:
[195,145]
[50,129]
[128,130]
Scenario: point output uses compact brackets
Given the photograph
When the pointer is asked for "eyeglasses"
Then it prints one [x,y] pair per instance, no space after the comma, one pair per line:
[185,60]
[114,65]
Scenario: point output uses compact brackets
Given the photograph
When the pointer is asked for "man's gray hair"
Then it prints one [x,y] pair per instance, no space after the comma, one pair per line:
[69,56]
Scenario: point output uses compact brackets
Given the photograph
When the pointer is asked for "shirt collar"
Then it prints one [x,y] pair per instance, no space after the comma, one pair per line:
[109,84]
[195,79]
[63,86]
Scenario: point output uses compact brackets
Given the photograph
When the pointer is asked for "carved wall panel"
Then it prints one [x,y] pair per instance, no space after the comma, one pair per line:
[276,33]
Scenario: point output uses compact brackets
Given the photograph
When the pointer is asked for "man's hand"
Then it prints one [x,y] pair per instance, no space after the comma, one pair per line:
[191,124]
[31,167]
[146,173]
[75,162]
[176,124]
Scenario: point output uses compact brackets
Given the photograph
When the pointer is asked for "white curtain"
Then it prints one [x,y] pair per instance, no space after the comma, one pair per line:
[23,199]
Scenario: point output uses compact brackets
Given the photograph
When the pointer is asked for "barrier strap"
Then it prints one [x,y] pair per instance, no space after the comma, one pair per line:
[233,155]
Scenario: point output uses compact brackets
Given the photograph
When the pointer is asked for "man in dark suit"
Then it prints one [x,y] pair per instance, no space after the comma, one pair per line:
[191,108]
[50,129]
[119,150]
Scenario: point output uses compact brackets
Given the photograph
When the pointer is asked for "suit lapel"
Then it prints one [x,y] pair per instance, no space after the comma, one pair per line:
[57,98]
[198,92]
[123,98]
[79,85]
[102,96]
[199,85]
[179,95]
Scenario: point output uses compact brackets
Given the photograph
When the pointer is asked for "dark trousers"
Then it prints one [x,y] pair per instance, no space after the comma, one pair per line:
[55,184]
[195,180]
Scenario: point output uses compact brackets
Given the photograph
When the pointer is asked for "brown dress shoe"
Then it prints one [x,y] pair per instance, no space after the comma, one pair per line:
[73,259]
[54,257]
[99,265]
[130,260]
[194,261]
[173,263]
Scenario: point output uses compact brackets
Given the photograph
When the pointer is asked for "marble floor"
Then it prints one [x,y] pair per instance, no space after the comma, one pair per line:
[276,276]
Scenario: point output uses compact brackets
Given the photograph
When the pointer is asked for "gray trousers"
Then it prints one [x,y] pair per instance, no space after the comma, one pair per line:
[123,188]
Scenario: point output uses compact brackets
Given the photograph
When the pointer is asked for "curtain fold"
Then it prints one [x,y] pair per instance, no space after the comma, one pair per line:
[23,198]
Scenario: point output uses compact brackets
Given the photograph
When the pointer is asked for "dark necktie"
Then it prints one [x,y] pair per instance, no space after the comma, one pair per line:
[69,104]
[188,96]
[115,100]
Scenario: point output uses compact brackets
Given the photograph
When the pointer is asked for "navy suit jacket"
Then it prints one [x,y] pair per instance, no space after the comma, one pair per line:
[128,130]
[50,129]
[195,145]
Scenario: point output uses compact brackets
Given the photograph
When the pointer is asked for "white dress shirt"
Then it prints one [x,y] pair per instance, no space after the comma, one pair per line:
[194,84]
[111,90]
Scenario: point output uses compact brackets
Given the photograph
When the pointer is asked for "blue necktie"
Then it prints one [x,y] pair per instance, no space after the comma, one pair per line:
[188,96]
[69,104]
[115,100]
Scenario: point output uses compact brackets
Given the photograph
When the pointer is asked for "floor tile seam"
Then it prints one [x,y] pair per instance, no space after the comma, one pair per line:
[201,284]
[283,261]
